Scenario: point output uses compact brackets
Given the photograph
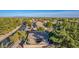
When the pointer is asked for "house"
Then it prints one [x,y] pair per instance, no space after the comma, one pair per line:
[37,37]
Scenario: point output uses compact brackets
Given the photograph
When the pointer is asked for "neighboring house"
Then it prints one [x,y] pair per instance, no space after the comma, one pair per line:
[23,26]
[60,21]
[40,24]
[54,21]
[27,28]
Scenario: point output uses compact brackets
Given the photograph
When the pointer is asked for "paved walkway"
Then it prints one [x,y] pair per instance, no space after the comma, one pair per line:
[35,46]
[31,39]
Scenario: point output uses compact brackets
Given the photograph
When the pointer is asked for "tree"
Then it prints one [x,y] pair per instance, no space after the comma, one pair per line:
[48,24]
[40,29]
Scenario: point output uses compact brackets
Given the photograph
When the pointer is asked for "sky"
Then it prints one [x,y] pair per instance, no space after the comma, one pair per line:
[39,13]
